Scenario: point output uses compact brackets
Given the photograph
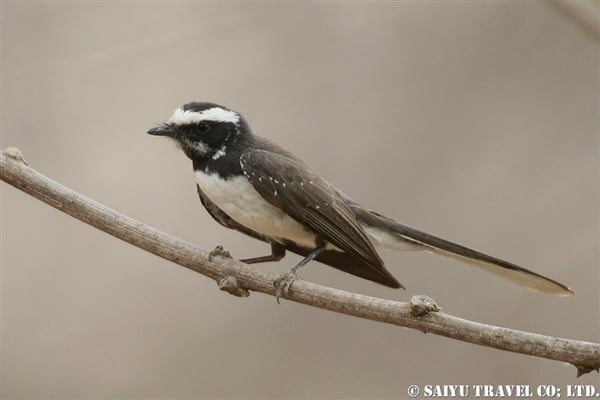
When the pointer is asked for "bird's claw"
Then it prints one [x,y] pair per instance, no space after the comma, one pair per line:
[283,284]
[218,252]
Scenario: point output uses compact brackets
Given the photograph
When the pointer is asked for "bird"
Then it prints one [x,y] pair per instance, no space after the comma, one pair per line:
[250,184]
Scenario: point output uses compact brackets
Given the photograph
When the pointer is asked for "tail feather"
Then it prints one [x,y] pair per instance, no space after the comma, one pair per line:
[504,269]
[406,235]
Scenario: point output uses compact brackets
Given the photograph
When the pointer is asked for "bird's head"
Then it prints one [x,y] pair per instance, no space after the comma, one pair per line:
[203,130]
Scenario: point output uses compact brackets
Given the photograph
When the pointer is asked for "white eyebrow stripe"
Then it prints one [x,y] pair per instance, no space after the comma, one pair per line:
[217,114]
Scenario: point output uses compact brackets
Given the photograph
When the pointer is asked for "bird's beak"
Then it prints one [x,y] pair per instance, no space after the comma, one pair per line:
[162,130]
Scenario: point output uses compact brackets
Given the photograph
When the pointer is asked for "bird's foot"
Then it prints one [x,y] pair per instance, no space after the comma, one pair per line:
[218,252]
[283,284]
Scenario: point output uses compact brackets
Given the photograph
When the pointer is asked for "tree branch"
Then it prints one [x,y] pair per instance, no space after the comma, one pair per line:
[238,278]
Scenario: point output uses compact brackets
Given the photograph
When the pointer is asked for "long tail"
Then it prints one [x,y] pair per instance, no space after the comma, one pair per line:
[389,233]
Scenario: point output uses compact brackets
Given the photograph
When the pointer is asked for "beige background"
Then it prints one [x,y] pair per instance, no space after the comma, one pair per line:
[476,121]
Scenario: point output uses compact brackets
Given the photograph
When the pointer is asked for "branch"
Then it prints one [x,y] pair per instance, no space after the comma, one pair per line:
[238,278]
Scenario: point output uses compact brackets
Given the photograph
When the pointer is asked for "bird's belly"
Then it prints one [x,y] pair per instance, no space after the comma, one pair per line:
[240,201]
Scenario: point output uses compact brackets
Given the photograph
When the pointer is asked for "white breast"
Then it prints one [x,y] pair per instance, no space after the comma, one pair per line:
[238,199]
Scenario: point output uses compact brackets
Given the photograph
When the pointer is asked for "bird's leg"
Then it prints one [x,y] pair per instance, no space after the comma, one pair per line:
[285,282]
[277,253]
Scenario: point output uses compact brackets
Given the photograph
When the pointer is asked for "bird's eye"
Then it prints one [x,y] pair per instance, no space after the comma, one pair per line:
[203,128]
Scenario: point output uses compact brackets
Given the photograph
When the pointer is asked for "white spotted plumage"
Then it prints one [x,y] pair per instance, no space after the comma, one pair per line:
[220,153]
[237,198]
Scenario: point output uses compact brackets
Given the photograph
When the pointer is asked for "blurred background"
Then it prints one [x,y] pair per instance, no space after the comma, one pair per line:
[475,121]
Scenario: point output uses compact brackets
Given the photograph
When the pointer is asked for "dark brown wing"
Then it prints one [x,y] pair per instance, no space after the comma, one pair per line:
[292,187]
[349,264]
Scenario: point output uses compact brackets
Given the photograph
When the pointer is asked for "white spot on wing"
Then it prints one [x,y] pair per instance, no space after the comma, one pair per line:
[217,114]
[239,200]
